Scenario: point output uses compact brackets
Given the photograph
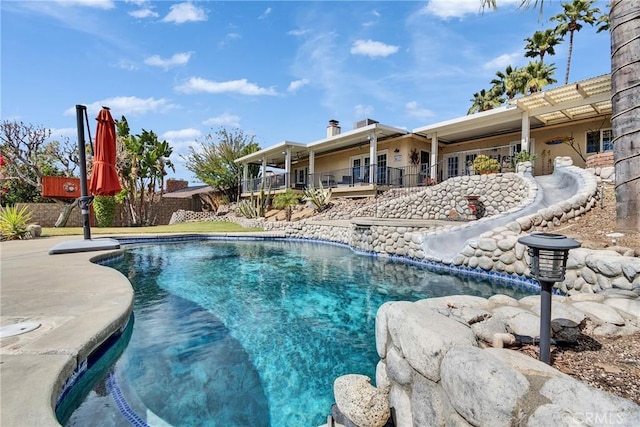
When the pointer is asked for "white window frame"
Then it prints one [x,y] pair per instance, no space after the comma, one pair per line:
[600,148]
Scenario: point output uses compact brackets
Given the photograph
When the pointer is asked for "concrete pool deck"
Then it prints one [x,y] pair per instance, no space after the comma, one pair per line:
[79,304]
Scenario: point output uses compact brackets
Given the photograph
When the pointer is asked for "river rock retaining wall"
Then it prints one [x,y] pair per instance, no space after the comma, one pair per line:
[497,193]
[446,375]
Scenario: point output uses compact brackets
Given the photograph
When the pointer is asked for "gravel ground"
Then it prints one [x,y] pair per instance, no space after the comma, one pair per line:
[610,364]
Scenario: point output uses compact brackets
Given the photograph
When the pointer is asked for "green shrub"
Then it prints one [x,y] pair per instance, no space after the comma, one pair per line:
[524,156]
[13,223]
[484,164]
[286,201]
[105,210]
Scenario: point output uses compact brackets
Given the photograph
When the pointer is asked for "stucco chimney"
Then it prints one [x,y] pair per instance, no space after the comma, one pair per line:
[333,129]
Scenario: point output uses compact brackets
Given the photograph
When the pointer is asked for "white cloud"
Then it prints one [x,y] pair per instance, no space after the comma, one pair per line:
[97,4]
[185,12]
[144,13]
[224,119]
[125,64]
[177,59]
[414,110]
[363,111]
[374,20]
[372,48]
[501,62]
[229,38]
[446,9]
[297,84]
[266,13]
[182,134]
[298,32]
[127,105]
[242,87]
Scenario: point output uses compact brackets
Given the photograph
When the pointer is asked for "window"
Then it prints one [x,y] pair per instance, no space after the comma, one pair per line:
[360,168]
[425,160]
[382,168]
[452,166]
[301,176]
[599,141]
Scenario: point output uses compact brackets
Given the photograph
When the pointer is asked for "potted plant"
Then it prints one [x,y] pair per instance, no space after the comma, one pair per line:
[485,164]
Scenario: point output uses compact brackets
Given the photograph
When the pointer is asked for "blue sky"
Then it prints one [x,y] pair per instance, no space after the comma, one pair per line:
[279,70]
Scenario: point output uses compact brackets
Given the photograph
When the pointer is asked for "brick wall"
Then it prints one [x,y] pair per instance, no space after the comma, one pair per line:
[46,214]
[175,185]
[600,160]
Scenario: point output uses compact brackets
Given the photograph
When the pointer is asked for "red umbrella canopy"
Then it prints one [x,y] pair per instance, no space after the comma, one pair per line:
[104,178]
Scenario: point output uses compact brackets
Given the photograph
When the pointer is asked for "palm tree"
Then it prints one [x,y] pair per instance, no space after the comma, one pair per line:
[485,100]
[542,43]
[625,117]
[537,75]
[509,82]
[570,21]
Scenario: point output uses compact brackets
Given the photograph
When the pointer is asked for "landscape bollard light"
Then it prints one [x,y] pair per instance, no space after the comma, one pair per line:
[548,261]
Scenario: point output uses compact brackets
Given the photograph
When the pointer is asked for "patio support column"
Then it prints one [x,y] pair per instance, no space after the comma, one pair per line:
[312,169]
[524,142]
[433,174]
[373,157]
[264,169]
[287,168]
[245,177]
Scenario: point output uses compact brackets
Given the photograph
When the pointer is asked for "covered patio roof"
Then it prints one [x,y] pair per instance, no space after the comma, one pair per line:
[275,154]
[581,100]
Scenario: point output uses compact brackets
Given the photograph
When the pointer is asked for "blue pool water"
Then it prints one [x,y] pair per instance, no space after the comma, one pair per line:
[251,333]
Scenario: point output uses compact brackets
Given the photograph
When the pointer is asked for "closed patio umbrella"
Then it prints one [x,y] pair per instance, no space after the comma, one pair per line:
[104,178]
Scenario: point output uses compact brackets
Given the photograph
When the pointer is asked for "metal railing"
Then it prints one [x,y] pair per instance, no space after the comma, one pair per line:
[386,176]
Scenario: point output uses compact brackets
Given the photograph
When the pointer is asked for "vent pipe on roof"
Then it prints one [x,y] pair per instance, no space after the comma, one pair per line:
[333,129]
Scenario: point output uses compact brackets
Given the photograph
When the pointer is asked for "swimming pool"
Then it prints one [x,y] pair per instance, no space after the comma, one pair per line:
[249,333]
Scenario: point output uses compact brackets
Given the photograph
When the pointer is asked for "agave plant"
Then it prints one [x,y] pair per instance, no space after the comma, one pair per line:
[319,197]
[13,223]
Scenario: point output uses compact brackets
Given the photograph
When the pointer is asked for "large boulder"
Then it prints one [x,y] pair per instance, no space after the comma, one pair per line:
[361,402]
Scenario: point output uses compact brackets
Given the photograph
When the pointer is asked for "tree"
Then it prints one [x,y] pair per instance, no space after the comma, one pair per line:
[625,117]
[30,156]
[485,100]
[537,75]
[213,160]
[570,21]
[286,201]
[510,82]
[141,162]
[541,43]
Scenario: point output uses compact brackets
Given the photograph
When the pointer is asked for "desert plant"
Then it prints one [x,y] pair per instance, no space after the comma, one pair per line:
[319,197]
[524,156]
[286,201]
[247,209]
[13,223]
[256,206]
[105,209]
[484,164]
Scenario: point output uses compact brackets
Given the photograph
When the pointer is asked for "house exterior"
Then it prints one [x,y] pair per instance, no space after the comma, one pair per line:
[572,120]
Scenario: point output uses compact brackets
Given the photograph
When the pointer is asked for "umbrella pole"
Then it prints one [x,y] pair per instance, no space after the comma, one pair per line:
[84,201]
